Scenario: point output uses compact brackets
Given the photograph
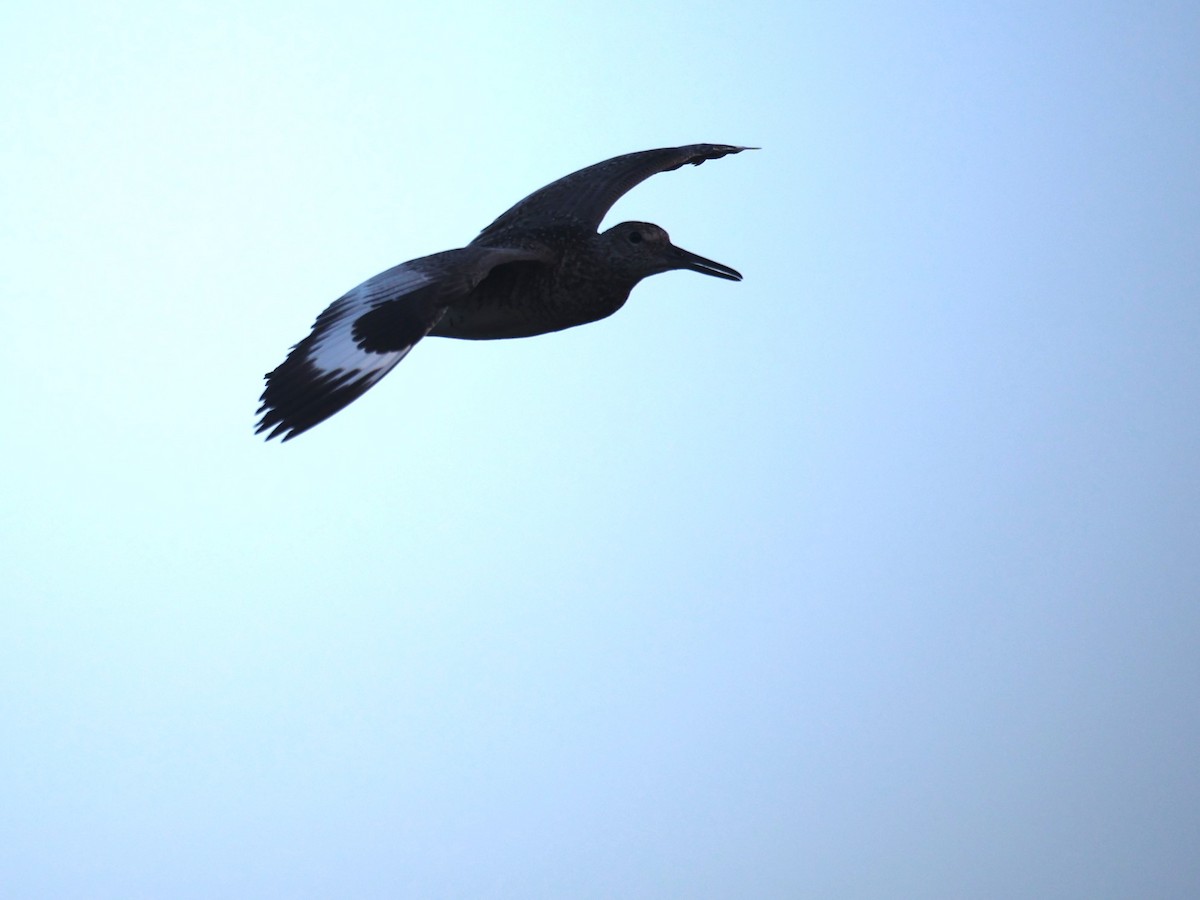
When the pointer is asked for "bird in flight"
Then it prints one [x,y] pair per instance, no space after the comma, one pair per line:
[540,267]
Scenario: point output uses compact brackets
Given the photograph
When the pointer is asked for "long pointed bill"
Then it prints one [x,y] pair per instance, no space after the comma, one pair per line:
[684,259]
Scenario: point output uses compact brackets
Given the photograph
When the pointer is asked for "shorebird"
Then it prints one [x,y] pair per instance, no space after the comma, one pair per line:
[540,267]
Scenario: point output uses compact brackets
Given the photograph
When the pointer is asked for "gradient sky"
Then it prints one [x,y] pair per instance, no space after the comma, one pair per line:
[875,575]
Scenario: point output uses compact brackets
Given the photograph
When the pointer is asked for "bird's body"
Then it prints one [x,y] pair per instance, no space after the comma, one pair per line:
[540,267]
[523,299]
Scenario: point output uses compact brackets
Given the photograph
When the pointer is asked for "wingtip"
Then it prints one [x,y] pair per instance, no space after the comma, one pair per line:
[701,153]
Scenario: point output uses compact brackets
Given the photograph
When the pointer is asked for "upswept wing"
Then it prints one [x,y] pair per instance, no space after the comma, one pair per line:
[583,198]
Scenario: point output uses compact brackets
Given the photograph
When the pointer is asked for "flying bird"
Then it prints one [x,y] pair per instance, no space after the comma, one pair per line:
[540,267]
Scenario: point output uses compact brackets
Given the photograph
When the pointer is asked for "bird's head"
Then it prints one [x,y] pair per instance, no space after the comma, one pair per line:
[640,249]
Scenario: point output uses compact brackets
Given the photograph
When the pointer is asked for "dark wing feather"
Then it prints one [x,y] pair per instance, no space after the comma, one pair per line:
[361,336]
[583,198]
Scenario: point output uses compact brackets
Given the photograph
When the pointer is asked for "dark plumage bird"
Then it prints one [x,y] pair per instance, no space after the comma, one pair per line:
[540,267]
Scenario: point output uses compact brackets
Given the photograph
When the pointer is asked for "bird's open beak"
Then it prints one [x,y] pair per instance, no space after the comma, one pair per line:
[686,260]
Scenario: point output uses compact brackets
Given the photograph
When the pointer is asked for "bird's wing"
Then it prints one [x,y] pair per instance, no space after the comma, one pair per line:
[583,198]
[362,335]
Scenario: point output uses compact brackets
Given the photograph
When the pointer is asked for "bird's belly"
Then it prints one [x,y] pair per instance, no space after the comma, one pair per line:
[487,325]
[494,311]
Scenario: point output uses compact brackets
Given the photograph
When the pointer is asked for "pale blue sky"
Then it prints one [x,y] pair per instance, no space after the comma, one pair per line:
[872,576]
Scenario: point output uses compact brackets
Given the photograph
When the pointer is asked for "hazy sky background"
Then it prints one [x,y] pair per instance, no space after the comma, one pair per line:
[873,576]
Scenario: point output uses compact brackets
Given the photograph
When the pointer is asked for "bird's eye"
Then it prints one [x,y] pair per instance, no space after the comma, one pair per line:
[635,237]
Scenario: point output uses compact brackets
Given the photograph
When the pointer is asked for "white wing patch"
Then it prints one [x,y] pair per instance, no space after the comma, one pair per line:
[334,350]
[361,336]
[332,366]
